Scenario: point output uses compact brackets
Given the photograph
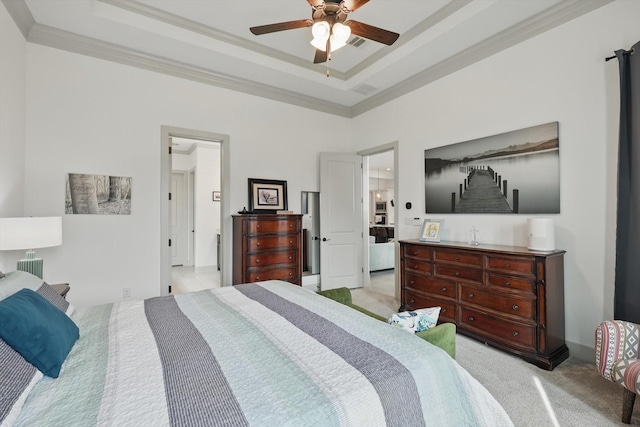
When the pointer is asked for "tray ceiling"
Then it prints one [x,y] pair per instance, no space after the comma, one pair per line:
[209,41]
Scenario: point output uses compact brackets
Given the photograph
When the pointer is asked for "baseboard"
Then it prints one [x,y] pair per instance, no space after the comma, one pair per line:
[206,268]
[581,352]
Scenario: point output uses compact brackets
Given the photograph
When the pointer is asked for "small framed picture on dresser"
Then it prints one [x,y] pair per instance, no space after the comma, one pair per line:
[431,230]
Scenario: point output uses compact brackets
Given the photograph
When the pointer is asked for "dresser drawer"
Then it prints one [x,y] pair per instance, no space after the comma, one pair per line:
[287,273]
[413,301]
[504,303]
[511,282]
[522,266]
[512,333]
[270,242]
[474,259]
[416,265]
[430,284]
[269,258]
[455,272]
[415,251]
[275,226]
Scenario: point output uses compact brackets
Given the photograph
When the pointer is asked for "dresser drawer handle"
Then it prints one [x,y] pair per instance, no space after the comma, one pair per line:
[291,242]
[290,274]
[457,273]
[257,277]
[471,319]
[515,307]
[290,225]
[412,301]
[444,289]
[457,258]
[258,226]
[258,261]
[507,283]
[507,265]
[444,310]
[258,244]
[515,333]
[290,257]
[415,267]
[471,295]
[414,253]
[411,282]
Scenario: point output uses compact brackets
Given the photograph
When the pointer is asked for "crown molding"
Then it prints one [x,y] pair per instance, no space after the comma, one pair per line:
[44,35]
[21,15]
[440,15]
[196,27]
[561,13]
[71,42]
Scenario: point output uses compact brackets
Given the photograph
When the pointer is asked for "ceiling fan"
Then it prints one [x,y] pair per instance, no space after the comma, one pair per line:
[330,27]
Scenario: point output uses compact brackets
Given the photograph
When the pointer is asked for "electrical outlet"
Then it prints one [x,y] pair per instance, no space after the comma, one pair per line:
[126,292]
[417,221]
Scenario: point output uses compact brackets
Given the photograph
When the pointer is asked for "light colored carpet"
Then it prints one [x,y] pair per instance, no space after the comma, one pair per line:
[573,394]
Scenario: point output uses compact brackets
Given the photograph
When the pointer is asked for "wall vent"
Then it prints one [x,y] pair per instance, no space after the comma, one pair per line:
[365,89]
[356,41]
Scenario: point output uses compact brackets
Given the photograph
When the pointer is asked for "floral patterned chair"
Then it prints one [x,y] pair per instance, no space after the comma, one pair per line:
[617,344]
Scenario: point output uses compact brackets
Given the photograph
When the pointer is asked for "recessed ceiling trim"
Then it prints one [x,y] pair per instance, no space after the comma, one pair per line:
[197,27]
[440,15]
[71,42]
[21,15]
[561,13]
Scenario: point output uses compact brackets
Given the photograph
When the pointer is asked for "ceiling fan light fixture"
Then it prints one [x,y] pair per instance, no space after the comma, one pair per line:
[341,33]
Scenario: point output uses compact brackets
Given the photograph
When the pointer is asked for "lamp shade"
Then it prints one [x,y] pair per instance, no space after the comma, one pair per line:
[30,232]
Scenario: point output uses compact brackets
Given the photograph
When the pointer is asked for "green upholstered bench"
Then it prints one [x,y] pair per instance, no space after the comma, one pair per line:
[443,335]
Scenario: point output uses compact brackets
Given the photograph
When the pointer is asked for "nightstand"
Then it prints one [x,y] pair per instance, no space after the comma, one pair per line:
[62,289]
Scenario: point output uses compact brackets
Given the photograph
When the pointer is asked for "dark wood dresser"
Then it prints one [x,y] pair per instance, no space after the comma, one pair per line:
[506,296]
[267,247]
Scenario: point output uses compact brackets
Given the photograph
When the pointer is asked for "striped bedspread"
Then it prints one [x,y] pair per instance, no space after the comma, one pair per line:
[262,354]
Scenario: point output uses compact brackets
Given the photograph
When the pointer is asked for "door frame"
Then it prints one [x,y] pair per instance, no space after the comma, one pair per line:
[167,132]
[395,147]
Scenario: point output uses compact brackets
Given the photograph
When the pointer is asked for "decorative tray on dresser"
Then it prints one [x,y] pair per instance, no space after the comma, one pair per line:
[506,296]
[267,247]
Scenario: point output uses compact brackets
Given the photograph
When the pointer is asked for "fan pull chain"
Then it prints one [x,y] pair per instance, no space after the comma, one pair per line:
[328,59]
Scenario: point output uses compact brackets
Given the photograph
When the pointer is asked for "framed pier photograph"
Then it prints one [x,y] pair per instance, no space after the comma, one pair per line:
[513,172]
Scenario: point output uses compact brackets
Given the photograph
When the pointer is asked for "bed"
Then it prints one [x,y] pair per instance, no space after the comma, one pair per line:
[264,354]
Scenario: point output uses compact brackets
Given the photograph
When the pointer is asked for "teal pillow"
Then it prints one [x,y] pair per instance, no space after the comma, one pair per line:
[36,329]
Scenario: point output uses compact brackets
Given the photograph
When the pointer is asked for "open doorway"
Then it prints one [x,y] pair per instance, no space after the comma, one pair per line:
[380,201]
[214,255]
[195,214]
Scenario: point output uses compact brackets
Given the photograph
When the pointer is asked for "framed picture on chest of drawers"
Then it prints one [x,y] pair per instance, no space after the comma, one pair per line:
[508,297]
[267,247]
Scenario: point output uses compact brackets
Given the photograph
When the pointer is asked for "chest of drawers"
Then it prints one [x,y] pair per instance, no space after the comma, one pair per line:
[267,247]
[508,297]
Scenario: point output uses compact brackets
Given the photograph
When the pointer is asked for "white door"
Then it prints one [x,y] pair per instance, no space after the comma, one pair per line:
[178,218]
[341,247]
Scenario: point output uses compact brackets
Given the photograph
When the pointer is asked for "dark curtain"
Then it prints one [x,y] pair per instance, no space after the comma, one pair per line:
[627,286]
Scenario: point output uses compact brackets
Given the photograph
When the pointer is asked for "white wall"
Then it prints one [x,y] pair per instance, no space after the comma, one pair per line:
[89,115]
[560,75]
[13,54]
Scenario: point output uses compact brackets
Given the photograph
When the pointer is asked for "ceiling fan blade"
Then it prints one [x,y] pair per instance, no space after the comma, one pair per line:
[372,33]
[316,4]
[281,26]
[321,56]
[352,5]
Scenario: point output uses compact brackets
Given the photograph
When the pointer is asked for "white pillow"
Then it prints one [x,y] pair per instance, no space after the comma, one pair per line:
[416,320]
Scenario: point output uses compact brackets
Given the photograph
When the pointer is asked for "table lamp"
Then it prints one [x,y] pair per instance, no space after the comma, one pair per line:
[30,233]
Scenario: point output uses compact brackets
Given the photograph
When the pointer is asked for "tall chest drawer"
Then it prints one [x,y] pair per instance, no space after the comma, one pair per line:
[257,243]
[272,226]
